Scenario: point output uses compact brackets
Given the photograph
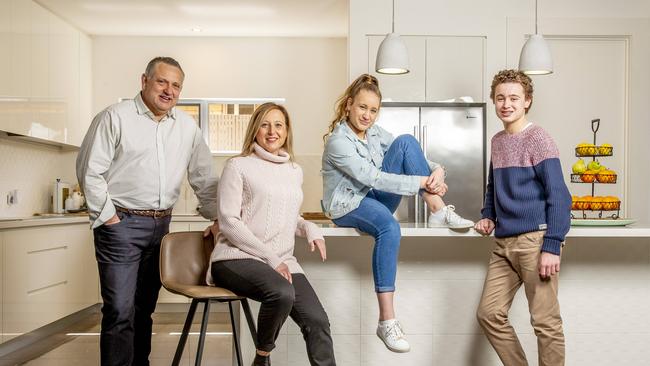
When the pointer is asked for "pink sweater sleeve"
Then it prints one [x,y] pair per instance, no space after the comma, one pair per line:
[230,199]
[308,229]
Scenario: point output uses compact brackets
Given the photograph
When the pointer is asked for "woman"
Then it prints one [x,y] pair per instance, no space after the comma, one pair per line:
[365,174]
[259,198]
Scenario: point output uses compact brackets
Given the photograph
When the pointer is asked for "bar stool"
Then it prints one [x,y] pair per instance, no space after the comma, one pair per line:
[184,260]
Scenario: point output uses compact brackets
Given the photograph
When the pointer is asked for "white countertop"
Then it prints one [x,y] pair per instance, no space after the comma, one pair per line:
[413,230]
[67,219]
[408,229]
[29,221]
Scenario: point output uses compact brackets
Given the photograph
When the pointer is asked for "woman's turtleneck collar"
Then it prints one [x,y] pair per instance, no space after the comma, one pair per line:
[282,157]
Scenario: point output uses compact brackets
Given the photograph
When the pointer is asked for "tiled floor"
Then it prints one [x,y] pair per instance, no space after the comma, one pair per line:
[79,345]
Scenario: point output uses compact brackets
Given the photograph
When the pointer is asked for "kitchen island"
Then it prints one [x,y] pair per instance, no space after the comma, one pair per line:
[604,295]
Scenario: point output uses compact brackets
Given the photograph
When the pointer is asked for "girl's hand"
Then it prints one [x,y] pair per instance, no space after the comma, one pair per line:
[436,182]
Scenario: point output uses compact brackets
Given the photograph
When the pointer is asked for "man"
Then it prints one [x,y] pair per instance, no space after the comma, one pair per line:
[530,207]
[131,166]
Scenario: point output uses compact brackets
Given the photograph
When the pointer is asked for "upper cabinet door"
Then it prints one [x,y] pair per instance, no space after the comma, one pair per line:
[84,118]
[455,68]
[401,88]
[15,67]
[6,34]
[20,56]
[63,78]
[38,125]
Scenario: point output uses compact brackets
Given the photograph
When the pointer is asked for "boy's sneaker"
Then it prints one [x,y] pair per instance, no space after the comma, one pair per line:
[447,217]
[390,331]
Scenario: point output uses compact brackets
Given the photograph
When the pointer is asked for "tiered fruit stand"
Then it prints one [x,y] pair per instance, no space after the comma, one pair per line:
[609,205]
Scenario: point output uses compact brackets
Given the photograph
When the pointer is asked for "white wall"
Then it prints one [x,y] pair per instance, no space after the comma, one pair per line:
[505,24]
[308,72]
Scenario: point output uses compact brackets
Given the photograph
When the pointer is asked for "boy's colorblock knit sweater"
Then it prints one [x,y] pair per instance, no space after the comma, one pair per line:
[526,190]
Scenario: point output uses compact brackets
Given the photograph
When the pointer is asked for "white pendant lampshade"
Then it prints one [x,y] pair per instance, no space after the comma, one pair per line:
[392,56]
[535,58]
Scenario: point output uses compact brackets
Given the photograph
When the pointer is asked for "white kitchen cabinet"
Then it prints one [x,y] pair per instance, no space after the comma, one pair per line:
[16,28]
[20,77]
[77,132]
[401,88]
[200,226]
[48,272]
[38,124]
[455,67]
[63,78]
[46,73]
[5,44]
[441,68]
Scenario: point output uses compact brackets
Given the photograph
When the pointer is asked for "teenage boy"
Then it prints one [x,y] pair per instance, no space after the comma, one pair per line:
[529,205]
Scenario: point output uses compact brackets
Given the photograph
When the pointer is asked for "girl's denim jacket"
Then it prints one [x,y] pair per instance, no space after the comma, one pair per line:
[351,167]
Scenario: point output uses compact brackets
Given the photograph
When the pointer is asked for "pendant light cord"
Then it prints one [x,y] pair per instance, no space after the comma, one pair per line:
[535,16]
[393,18]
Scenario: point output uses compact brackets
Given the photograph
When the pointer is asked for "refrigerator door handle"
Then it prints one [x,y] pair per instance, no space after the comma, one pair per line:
[425,211]
[416,200]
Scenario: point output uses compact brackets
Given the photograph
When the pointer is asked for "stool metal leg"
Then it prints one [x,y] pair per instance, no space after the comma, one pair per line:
[184,334]
[204,327]
[249,320]
[235,337]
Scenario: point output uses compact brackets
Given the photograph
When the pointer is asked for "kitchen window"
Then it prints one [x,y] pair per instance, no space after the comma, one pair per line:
[223,121]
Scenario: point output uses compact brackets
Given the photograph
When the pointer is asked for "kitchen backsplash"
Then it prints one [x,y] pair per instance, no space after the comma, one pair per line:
[31,168]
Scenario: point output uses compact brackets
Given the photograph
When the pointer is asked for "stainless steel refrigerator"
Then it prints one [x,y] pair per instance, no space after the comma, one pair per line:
[452,134]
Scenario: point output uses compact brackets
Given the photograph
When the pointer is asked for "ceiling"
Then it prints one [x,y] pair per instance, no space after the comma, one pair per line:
[236,18]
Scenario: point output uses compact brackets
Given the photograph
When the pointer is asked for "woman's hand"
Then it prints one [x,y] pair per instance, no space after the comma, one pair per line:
[283,270]
[320,244]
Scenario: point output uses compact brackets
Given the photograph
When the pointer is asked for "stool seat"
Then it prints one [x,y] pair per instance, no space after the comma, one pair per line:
[184,261]
[201,292]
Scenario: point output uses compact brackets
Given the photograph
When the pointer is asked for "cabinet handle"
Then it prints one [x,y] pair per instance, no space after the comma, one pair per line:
[47,249]
[31,292]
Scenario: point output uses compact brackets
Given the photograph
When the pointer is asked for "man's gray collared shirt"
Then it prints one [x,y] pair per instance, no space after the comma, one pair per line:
[130,160]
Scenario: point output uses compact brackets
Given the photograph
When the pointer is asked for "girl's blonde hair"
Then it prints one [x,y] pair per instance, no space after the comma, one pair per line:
[363,82]
[254,126]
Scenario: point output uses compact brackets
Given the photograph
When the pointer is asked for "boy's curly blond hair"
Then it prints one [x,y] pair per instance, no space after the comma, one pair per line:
[513,76]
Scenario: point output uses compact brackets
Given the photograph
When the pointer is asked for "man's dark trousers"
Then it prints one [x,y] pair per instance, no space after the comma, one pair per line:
[128,259]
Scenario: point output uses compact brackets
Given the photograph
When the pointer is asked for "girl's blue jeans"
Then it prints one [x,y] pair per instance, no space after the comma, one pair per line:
[374,215]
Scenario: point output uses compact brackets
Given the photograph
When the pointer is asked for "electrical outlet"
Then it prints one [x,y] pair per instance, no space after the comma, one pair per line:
[12,197]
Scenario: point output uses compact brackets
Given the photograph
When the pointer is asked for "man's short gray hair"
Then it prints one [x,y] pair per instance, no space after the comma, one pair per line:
[148,72]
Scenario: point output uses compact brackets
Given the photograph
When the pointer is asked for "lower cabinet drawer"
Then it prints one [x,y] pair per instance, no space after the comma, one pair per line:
[49,272]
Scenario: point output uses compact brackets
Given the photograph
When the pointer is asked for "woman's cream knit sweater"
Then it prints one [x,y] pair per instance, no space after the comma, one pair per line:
[259,201]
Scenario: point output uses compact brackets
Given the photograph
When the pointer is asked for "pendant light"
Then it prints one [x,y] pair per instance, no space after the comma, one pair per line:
[535,58]
[392,56]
